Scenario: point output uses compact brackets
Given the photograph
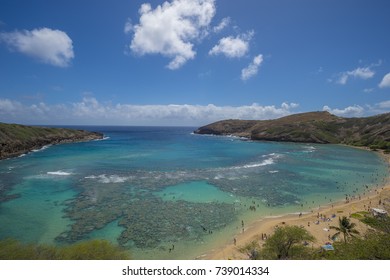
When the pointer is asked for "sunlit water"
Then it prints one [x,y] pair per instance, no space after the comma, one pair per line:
[165,193]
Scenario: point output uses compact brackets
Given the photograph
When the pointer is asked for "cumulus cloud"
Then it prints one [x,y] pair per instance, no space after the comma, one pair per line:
[385,81]
[222,25]
[90,111]
[363,73]
[179,114]
[233,47]
[252,68]
[288,106]
[47,45]
[171,29]
[350,111]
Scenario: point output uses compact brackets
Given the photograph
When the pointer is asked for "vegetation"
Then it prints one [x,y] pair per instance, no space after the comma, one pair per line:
[374,246]
[289,243]
[381,224]
[252,250]
[312,127]
[346,228]
[286,243]
[19,139]
[89,250]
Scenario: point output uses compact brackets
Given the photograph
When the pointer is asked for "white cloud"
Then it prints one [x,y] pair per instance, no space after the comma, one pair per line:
[385,81]
[350,111]
[90,111]
[368,90]
[363,73]
[171,28]
[343,79]
[288,106]
[128,26]
[47,45]
[8,107]
[222,25]
[233,47]
[252,68]
[384,104]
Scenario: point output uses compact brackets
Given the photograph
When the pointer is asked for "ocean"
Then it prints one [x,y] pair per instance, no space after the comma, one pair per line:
[166,193]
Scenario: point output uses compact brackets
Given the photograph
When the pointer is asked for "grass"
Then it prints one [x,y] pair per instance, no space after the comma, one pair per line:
[360,215]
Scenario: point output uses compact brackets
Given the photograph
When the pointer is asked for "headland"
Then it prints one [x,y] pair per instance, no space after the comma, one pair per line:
[16,139]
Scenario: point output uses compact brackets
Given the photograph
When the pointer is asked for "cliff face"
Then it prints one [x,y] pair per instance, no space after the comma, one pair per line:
[19,139]
[313,127]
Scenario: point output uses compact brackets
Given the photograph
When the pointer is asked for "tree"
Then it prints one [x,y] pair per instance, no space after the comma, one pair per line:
[346,228]
[287,243]
[252,250]
[11,249]
[374,246]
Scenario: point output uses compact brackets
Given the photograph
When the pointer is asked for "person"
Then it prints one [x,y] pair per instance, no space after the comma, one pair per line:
[235,241]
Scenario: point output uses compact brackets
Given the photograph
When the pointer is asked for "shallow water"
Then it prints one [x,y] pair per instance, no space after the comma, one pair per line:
[151,188]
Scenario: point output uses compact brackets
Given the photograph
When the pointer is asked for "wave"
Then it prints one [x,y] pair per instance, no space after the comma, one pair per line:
[109,179]
[309,149]
[41,149]
[254,165]
[50,175]
[273,171]
[59,173]
[104,138]
[271,160]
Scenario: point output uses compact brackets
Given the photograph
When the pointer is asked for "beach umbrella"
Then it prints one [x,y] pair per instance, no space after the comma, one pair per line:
[328,247]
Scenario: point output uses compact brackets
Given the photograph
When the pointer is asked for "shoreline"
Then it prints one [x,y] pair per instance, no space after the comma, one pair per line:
[266,225]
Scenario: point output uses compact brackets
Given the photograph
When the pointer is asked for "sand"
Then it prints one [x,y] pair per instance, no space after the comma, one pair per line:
[374,198]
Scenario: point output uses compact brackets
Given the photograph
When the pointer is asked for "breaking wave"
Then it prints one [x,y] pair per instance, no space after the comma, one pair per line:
[59,173]
[309,149]
[41,149]
[271,160]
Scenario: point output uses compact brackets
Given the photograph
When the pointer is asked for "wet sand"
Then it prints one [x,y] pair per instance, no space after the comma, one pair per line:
[316,222]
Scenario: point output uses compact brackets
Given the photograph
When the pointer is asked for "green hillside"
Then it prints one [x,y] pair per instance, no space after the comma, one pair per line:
[19,139]
[312,127]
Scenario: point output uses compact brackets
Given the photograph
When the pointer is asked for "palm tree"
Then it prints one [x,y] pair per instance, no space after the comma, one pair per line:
[345,227]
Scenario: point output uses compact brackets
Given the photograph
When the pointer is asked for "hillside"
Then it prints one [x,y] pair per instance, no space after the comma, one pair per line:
[19,139]
[312,127]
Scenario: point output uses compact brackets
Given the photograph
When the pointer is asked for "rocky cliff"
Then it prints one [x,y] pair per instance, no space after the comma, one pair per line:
[312,127]
[20,139]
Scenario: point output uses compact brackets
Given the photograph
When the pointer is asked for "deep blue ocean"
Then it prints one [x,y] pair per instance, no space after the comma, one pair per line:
[166,193]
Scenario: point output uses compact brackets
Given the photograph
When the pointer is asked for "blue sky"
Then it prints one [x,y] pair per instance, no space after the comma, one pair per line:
[191,62]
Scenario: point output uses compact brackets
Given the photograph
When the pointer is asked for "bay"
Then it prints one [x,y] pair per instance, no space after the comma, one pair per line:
[166,193]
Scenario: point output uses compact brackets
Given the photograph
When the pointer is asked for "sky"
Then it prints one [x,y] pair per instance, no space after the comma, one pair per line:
[191,62]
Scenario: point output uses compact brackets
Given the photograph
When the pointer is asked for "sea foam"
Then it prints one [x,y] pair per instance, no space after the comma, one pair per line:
[109,179]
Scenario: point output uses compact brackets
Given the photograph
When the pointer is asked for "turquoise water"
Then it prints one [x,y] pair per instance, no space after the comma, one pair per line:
[149,188]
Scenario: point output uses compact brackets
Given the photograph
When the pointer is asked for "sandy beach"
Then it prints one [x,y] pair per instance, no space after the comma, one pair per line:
[317,222]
